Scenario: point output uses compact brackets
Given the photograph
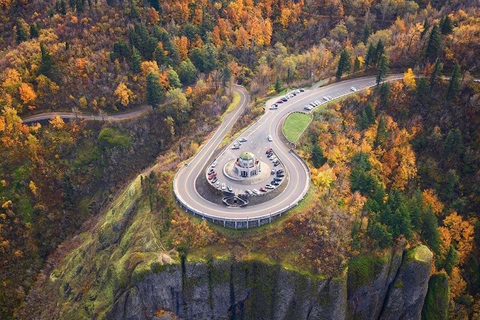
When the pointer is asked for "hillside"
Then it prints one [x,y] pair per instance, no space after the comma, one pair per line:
[400,161]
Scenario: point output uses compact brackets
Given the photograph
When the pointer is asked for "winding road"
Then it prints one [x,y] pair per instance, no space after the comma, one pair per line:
[71,115]
[184,185]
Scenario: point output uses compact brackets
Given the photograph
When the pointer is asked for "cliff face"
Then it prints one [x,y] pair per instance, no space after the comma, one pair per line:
[226,290]
[394,289]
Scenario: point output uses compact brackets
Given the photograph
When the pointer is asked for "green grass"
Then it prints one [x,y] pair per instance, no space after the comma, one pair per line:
[232,105]
[295,124]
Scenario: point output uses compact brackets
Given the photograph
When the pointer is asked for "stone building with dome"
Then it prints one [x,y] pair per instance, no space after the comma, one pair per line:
[246,165]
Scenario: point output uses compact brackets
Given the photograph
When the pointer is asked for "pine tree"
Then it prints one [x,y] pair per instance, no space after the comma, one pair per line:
[367,31]
[187,72]
[433,46]
[34,32]
[382,133]
[454,84]
[47,68]
[278,84]
[426,25]
[317,156]
[22,30]
[370,57]
[382,69]
[154,94]
[136,61]
[379,51]
[446,25]
[437,71]
[356,64]
[344,64]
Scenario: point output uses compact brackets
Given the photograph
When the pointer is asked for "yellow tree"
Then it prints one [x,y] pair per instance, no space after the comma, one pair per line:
[27,94]
[124,95]
[409,79]
[462,233]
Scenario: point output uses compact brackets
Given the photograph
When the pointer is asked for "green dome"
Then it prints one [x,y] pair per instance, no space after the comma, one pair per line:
[246,156]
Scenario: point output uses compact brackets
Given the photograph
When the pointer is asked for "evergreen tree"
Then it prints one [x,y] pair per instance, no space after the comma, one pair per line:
[22,30]
[356,64]
[34,32]
[136,66]
[155,4]
[379,52]
[433,46]
[154,93]
[187,72]
[344,64]
[61,7]
[430,231]
[367,31]
[446,25]
[382,133]
[47,68]
[451,259]
[370,57]
[226,76]
[453,145]
[426,25]
[278,84]
[454,84]
[370,113]
[317,156]
[382,69]
[423,90]
[134,14]
[173,79]
[437,71]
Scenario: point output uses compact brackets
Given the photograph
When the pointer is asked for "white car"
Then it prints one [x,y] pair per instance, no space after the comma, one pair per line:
[270,187]
[214,164]
[269,138]
[255,191]
[243,139]
[274,106]
[353,89]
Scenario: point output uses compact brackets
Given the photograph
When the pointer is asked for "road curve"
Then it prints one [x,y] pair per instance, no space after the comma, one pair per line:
[298,172]
[71,115]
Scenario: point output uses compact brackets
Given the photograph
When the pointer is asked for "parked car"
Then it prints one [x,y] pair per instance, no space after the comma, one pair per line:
[308,108]
[248,191]
[274,106]
[242,139]
[255,191]
[263,189]
[280,175]
[280,171]
[277,179]
[270,187]
[353,89]
[224,186]
[236,146]
[211,170]
[273,171]
[269,150]
[214,164]
[214,180]
[269,138]
[301,90]
[284,99]
[317,103]
[276,164]
[229,188]
[274,183]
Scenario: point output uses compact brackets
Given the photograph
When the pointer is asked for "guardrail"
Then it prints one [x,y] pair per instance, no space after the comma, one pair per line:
[245,223]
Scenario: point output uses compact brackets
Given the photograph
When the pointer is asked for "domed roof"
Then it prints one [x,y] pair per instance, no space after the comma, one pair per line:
[247,156]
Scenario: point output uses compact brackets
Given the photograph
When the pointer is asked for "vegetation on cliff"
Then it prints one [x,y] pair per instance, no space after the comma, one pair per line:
[402,160]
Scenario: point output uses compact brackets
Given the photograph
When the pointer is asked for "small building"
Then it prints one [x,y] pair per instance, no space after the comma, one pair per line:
[246,165]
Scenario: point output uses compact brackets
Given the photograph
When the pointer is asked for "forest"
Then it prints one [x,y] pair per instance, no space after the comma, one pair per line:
[399,161]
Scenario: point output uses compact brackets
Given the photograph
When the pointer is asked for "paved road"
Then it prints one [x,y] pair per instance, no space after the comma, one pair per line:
[70,115]
[256,135]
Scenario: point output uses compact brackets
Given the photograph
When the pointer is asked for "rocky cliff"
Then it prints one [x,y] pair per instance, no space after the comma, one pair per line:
[392,287]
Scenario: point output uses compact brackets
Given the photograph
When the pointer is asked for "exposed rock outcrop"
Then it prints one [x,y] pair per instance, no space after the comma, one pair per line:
[391,288]
[407,293]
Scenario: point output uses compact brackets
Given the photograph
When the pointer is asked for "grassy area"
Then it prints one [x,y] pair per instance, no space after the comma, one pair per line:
[232,105]
[295,124]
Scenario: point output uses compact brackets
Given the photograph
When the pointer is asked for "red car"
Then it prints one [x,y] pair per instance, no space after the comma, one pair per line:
[263,189]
